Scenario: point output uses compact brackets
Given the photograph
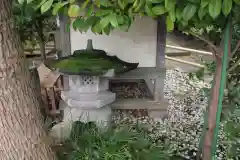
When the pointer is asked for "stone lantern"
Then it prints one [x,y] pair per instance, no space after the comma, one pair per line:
[88,97]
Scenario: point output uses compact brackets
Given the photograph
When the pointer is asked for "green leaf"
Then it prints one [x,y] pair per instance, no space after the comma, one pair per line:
[141,4]
[80,24]
[39,5]
[194,1]
[91,21]
[127,21]
[184,23]
[189,11]
[204,3]
[155,1]
[104,21]
[120,19]
[74,24]
[237,1]
[170,4]
[122,4]
[58,6]
[97,28]
[202,12]
[68,27]
[170,24]
[113,20]
[107,30]
[21,1]
[105,3]
[214,8]
[29,1]
[130,14]
[148,10]
[227,7]
[172,15]
[159,10]
[102,12]
[97,3]
[46,6]
[74,10]
[178,14]
[84,5]
[90,11]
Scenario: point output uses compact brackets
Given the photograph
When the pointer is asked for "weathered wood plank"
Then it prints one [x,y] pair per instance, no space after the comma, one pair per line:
[139,104]
[142,73]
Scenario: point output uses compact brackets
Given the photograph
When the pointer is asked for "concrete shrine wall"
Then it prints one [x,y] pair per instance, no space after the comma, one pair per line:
[136,45]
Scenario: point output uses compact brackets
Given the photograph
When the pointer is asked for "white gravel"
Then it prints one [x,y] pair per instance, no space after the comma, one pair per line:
[182,130]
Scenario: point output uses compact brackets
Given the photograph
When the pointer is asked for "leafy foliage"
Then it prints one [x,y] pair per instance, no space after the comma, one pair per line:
[32,25]
[233,85]
[102,16]
[232,130]
[231,104]
[122,142]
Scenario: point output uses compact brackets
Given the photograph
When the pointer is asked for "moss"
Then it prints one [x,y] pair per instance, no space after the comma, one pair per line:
[95,62]
[77,65]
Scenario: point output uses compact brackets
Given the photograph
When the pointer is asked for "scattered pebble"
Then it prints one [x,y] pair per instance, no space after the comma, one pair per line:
[182,129]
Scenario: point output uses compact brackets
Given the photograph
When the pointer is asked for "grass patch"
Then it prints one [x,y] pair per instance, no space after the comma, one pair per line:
[87,142]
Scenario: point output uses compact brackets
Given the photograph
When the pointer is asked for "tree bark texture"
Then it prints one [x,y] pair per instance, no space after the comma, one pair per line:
[22,136]
[213,106]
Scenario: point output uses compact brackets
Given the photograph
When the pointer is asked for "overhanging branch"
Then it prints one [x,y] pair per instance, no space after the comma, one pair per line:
[234,66]
[204,39]
[236,48]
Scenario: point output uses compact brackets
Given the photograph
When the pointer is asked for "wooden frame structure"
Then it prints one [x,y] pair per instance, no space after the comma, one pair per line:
[155,85]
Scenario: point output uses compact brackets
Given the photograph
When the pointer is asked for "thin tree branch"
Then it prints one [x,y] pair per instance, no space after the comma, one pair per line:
[204,39]
[234,66]
[217,52]
[236,48]
[212,47]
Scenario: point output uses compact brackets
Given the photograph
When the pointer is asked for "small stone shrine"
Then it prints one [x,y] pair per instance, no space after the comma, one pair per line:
[88,97]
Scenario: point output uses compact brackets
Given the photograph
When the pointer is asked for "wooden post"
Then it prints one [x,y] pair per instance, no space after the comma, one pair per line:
[161,41]
[65,43]
[160,56]
[65,35]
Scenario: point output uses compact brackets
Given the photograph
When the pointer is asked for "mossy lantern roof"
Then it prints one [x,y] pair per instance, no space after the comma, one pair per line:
[91,62]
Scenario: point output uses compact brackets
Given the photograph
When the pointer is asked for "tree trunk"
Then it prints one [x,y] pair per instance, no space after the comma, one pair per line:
[213,107]
[21,127]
